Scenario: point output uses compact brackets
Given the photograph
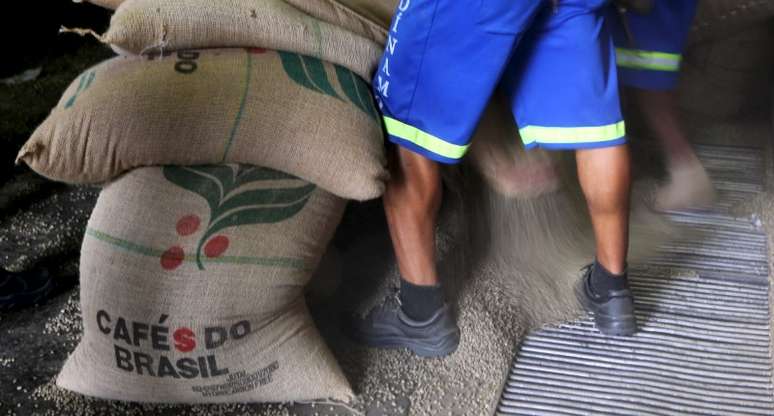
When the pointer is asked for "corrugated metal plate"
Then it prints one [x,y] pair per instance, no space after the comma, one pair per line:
[704,343]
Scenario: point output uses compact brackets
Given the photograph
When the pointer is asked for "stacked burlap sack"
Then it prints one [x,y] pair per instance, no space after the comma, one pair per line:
[192,288]
[227,169]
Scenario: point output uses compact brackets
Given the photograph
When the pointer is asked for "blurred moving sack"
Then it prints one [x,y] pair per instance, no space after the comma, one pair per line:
[260,107]
[146,26]
[729,76]
[192,289]
[498,154]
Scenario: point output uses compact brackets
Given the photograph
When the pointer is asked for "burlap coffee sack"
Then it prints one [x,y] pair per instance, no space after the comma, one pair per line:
[379,11]
[275,109]
[108,4]
[192,289]
[367,18]
[142,26]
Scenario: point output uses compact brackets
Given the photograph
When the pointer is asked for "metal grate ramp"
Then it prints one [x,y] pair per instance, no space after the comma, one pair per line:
[703,346]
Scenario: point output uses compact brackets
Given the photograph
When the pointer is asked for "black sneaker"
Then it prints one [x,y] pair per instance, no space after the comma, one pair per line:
[613,313]
[387,326]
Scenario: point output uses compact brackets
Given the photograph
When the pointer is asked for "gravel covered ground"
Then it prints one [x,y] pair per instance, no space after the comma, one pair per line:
[41,224]
[35,342]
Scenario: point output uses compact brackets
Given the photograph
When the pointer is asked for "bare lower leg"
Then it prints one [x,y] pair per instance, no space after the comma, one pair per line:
[661,115]
[411,203]
[605,177]
[688,185]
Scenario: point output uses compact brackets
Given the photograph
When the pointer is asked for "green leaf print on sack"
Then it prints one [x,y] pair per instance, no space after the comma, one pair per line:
[309,72]
[357,91]
[234,204]
[85,82]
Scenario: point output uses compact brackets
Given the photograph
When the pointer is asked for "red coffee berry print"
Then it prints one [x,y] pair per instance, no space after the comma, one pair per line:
[172,258]
[237,204]
[188,224]
[185,339]
[216,246]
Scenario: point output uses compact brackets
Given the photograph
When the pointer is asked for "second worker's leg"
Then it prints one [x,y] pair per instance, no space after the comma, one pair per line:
[411,202]
[604,175]
[689,185]
[419,318]
[432,85]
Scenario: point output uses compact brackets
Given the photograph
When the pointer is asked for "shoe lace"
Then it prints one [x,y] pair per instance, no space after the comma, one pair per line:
[392,298]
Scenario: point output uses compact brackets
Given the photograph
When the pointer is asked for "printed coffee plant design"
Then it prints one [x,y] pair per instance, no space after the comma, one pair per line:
[231,205]
[310,73]
[85,82]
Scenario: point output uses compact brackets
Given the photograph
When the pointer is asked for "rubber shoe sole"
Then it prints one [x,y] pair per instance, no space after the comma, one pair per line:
[426,348]
[432,338]
[619,326]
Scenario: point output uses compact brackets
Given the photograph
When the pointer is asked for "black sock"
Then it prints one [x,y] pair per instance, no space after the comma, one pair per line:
[419,302]
[602,281]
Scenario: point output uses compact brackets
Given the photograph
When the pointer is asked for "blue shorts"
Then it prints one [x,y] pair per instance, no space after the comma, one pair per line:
[649,56]
[444,59]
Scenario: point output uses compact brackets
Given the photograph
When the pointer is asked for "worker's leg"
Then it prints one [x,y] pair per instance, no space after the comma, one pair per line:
[604,175]
[411,202]
[689,185]
[565,96]
[649,56]
[442,62]
[605,179]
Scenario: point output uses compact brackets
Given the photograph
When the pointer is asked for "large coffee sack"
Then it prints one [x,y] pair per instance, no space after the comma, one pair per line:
[142,26]
[191,289]
[108,4]
[367,18]
[380,11]
[276,109]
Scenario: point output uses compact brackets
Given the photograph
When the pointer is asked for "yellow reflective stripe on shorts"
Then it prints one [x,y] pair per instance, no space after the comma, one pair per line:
[638,59]
[424,140]
[572,135]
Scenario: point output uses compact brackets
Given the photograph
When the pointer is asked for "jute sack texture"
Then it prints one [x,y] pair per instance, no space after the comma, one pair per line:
[367,18]
[260,107]
[108,4]
[148,26]
[191,289]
